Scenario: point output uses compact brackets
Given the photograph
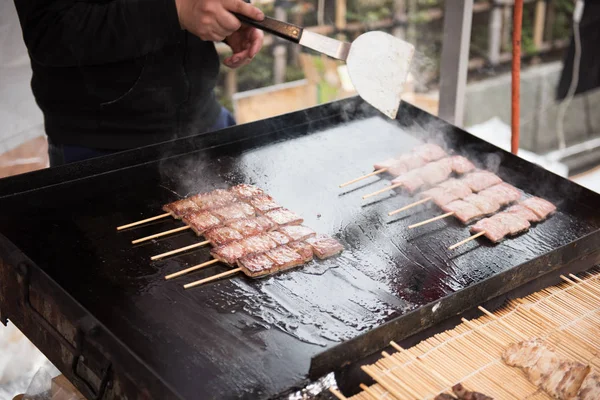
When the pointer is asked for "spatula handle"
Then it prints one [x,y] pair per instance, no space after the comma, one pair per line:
[282,29]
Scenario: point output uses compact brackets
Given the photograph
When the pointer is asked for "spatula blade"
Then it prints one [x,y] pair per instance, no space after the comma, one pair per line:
[378,64]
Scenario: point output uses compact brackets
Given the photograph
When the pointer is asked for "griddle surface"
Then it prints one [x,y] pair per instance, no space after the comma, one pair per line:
[255,338]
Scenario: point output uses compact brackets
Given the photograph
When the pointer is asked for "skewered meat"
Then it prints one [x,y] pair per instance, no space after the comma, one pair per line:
[201,221]
[503,193]
[590,388]
[247,227]
[523,212]
[462,210]
[279,238]
[179,208]
[486,205]
[456,186]
[303,249]
[460,165]
[297,232]
[283,216]
[411,161]
[222,235]
[498,226]
[324,246]
[258,244]
[245,191]
[435,172]
[263,203]
[284,257]
[542,208]
[560,378]
[440,196]
[494,230]
[397,169]
[266,223]
[513,223]
[215,199]
[256,265]
[430,152]
[385,164]
[411,181]
[464,394]
[229,253]
[234,211]
[479,180]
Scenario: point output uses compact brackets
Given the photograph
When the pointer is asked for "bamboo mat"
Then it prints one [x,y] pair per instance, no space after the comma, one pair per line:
[566,317]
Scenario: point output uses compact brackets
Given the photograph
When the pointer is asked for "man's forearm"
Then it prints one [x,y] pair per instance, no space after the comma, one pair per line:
[72,33]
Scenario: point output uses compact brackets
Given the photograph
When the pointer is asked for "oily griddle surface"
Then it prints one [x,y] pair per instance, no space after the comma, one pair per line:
[255,338]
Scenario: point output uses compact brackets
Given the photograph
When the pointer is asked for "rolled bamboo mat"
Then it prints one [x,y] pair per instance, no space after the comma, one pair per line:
[566,317]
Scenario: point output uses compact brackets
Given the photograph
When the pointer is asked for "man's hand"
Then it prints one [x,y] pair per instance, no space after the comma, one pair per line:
[212,20]
[245,43]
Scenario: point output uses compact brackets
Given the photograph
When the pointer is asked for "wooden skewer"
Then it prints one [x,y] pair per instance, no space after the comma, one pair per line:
[431,220]
[190,269]
[337,394]
[394,186]
[157,235]
[475,236]
[165,215]
[416,203]
[170,253]
[212,278]
[379,171]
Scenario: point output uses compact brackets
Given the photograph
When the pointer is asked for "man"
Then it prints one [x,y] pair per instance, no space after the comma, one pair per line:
[111,75]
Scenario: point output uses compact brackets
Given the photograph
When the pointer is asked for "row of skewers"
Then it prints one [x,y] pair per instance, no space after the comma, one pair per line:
[247,229]
[460,189]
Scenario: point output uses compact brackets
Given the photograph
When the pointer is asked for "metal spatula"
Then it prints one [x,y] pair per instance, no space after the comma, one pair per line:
[378,63]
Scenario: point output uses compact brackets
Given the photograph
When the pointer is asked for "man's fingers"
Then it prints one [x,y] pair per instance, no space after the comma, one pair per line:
[241,7]
[228,22]
[256,42]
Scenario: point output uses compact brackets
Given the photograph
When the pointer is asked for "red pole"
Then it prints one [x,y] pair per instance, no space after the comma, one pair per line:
[516,74]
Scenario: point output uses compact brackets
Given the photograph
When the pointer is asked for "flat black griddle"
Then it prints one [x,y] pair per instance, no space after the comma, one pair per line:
[104,314]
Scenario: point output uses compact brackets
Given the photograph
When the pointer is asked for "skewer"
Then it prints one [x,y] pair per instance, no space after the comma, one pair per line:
[379,171]
[416,203]
[170,253]
[212,278]
[475,236]
[165,215]
[156,235]
[394,186]
[431,220]
[190,269]
[337,394]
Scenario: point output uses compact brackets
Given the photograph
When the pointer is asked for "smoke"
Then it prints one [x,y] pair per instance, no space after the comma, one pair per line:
[423,71]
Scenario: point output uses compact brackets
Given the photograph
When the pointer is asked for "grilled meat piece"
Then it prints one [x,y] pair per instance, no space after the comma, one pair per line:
[255,265]
[439,196]
[263,203]
[462,210]
[245,191]
[429,152]
[502,193]
[279,238]
[411,181]
[283,216]
[479,180]
[486,205]
[457,187]
[247,226]
[494,229]
[461,165]
[444,396]
[464,394]
[324,246]
[435,172]
[201,221]
[542,208]
[234,211]
[266,223]
[590,387]
[180,208]
[297,232]
[229,253]
[222,235]
[302,248]
[258,244]
[514,223]
[214,199]
[284,257]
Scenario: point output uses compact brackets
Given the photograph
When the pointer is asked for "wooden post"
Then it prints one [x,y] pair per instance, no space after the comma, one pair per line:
[550,19]
[280,51]
[399,15]
[411,32]
[320,12]
[538,25]
[495,32]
